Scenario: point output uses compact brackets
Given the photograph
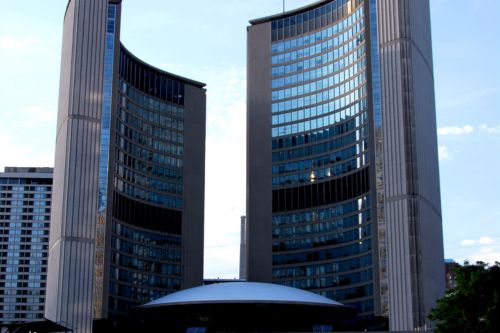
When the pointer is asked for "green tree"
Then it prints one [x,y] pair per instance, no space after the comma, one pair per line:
[474,305]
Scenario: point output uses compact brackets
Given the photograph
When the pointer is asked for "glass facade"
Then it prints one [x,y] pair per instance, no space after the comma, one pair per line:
[145,261]
[25,198]
[322,202]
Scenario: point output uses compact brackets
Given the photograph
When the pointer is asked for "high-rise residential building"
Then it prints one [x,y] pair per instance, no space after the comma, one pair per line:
[128,204]
[343,190]
[25,195]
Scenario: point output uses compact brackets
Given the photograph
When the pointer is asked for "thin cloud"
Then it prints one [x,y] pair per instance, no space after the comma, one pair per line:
[491,130]
[467,129]
[455,130]
[485,249]
[485,240]
[444,153]
[468,242]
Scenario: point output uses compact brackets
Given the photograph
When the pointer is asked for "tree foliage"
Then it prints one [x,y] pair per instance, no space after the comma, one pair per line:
[474,305]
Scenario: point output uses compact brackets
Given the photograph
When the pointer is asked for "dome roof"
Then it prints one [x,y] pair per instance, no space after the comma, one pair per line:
[242,292]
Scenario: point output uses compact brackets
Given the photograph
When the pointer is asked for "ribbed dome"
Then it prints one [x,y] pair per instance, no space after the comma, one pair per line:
[242,292]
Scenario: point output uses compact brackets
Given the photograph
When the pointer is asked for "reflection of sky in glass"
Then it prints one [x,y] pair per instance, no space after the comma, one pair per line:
[375,64]
[319,95]
[106,107]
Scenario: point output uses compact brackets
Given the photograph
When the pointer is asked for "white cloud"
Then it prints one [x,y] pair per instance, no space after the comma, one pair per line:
[489,256]
[467,129]
[444,153]
[492,130]
[455,130]
[485,249]
[485,240]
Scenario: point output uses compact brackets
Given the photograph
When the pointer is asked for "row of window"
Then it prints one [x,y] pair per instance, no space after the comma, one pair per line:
[352,293]
[347,110]
[140,152]
[149,81]
[146,237]
[155,118]
[14,292]
[321,109]
[29,277]
[311,137]
[323,240]
[358,59]
[149,130]
[352,51]
[320,84]
[149,169]
[28,195]
[320,148]
[20,210]
[30,225]
[315,194]
[320,174]
[320,214]
[319,35]
[25,217]
[320,255]
[35,232]
[310,20]
[24,195]
[317,162]
[138,294]
[141,264]
[315,227]
[152,141]
[22,300]
[146,141]
[25,269]
[320,97]
[169,252]
[147,195]
[336,42]
[364,307]
[26,181]
[141,279]
[25,284]
[24,203]
[148,182]
[30,239]
[167,109]
[324,268]
[331,281]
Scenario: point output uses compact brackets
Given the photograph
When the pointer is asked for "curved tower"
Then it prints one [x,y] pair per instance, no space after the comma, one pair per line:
[129,177]
[317,173]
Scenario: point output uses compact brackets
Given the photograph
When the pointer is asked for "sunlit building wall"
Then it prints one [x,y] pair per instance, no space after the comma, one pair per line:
[342,172]
[129,177]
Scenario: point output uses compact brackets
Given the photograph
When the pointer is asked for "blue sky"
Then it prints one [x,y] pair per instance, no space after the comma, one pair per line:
[206,41]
